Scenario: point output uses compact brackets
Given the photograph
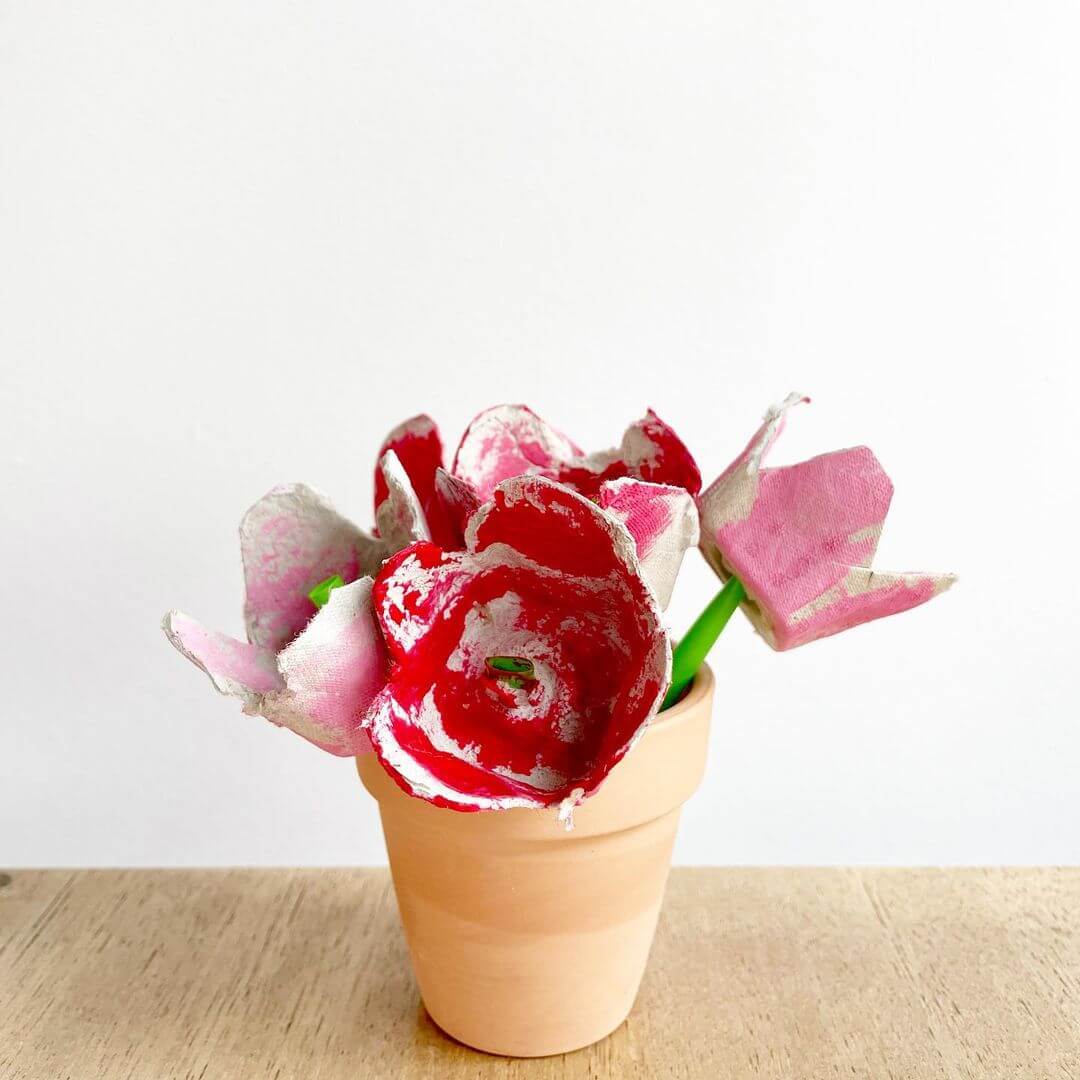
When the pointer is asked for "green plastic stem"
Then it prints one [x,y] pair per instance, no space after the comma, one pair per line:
[320,594]
[518,665]
[690,653]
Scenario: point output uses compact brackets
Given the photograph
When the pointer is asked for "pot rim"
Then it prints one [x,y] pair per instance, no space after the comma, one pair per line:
[701,687]
[659,735]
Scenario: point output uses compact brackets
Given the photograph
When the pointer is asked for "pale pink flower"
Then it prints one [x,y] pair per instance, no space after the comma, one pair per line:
[801,539]
[313,672]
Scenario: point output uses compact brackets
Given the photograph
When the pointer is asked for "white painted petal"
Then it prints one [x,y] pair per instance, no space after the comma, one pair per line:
[400,517]
[248,672]
[459,499]
[663,521]
[731,496]
[332,672]
[415,775]
[290,540]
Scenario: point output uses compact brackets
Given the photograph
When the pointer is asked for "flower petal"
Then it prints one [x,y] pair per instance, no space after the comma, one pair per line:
[400,518]
[731,496]
[652,451]
[248,672]
[418,447]
[320,687]
[411,589]
[425,762]
[290,540]
[460,501]
[549,582]
[333,672]
[507,441]
[801,539]
[663,521]
[550,524]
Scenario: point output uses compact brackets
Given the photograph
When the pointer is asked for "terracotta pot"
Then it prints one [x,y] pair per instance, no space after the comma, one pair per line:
[527,939]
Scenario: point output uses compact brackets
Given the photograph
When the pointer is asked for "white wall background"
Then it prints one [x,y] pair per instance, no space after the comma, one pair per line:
[239,242]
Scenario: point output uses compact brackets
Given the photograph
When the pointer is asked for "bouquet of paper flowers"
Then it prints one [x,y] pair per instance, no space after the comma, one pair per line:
[497,639]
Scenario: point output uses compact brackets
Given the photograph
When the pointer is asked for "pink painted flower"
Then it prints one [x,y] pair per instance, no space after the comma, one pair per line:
[315,673]
[648,483]
[801,539]
[524,667]
[509,440]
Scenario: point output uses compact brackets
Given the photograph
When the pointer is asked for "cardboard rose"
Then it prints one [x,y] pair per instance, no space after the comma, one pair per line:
[314,673]
[802,538]
[524,667]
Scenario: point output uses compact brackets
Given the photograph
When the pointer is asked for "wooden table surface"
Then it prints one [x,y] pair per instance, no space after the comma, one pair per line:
[755,973]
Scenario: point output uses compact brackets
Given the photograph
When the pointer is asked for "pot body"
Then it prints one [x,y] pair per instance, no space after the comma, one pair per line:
[527,939]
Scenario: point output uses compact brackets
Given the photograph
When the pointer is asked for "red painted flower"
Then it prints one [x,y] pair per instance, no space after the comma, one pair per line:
[523,668]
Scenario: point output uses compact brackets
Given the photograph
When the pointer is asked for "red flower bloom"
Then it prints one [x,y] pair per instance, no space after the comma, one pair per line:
[523,668]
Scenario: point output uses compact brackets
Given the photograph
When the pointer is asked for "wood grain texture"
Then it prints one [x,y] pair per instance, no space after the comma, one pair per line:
[755,973]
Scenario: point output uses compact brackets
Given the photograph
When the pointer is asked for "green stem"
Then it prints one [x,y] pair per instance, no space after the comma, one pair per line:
[690,653]
[320,594]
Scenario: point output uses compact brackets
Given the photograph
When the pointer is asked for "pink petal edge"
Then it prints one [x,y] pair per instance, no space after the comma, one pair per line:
[663,521]
[245,671]
[320,687]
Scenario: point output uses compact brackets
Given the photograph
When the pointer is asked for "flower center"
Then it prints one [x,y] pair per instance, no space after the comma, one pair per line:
[514,671]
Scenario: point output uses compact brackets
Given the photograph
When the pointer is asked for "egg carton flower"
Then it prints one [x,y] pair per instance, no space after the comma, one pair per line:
[648,482]
[523,667]
[801,540]
[313,671]
[511,440]
[308,669]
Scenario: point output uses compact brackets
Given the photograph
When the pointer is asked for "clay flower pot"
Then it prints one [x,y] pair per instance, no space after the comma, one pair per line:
[527,939]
